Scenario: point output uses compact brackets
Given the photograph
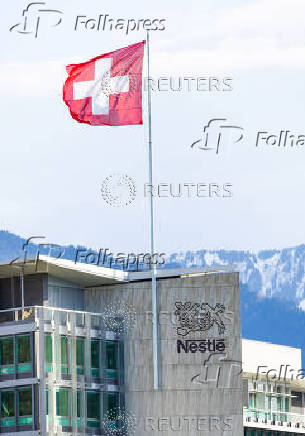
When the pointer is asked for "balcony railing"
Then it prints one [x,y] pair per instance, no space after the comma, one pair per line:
[263,418]
[62,316]
[17,314]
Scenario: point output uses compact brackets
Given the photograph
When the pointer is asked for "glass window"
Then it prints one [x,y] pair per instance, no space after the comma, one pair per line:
[93,405]
[113,402]
[62,402]
[78,398]
[48,348]
[80,351]
[279,404]
[296,400]
[7,351]
[7,404]
[252,400]
[111,355]
[47,401]
[95,354]
[64,354]
[25,402]
[23,349]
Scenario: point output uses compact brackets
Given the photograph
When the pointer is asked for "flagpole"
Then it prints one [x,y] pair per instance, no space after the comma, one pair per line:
[154,298]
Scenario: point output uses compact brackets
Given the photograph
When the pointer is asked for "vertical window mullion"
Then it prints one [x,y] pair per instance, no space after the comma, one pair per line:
[31,356]
[15,357]
[33,408]
[16,407]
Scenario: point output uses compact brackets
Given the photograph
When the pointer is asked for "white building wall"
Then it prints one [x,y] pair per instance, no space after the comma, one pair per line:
[271,356]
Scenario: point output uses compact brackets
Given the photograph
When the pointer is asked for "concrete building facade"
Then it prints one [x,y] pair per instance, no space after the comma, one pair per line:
[77,357]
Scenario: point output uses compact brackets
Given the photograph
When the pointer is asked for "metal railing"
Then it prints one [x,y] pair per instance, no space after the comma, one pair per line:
[55,314]
[274,417]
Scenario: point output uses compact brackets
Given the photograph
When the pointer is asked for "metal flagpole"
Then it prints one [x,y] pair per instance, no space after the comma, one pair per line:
[22,289]
[152,245]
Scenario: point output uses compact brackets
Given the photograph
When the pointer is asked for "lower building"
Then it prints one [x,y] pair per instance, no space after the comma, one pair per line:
[273,390]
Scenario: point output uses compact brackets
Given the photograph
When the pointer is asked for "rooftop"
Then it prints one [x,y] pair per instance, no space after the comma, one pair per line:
[92,275]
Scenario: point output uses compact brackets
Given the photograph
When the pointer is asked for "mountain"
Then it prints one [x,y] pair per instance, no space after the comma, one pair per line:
[268,273]
[272,284]
[272,320]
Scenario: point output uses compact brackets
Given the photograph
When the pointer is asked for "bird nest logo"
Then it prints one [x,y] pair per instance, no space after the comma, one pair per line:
[118,190]
[119,422]
[119,318]
[126,84]
[199,317]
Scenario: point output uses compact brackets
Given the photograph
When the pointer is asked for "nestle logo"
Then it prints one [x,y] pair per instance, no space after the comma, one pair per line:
[201,345]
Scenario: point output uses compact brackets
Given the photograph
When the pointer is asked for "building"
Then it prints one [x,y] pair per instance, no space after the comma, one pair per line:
[274,389]
[76,351]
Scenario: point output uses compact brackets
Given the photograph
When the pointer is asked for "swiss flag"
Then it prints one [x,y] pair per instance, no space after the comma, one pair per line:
[107,90]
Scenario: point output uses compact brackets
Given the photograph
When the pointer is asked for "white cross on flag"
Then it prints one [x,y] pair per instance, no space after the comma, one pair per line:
[107,90]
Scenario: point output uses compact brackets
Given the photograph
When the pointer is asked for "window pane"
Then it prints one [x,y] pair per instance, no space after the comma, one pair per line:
[93,405]
[95,354]
[7,404]
[78,403]
[25,402]
[7,351]
[111,355]
[48,348]
[24,349]
[64,350]
[80,350]
[62,402]
[296,400]
[47,401]
[113,401]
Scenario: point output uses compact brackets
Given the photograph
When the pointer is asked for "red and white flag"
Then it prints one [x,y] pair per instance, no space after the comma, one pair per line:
[107,90]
